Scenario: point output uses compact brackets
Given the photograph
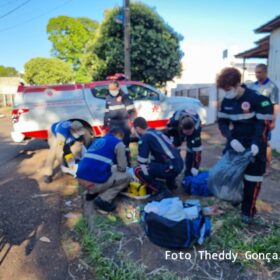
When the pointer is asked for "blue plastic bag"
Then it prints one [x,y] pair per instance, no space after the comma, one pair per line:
[197,185]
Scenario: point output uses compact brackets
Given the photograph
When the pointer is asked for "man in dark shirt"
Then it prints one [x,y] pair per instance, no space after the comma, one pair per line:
[158,159]
[185,125]
[119,112]
[244,120]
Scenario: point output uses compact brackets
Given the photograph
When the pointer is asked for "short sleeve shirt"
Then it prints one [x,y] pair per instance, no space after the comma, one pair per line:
[268,89]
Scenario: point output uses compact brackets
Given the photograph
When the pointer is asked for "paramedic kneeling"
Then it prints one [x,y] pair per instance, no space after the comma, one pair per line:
[63,136]
[244,119]
[157,158]
[99,175]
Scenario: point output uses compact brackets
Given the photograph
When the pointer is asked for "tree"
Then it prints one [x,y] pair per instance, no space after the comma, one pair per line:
[155,46]
[42,71]
[70,36]
[8,71]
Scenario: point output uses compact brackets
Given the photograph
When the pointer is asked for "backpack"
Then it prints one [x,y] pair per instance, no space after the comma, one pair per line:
[197,185]
[173,234]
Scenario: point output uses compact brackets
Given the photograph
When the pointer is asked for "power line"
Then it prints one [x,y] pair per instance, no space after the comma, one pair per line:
[16,8]
[7,3]
[36,17]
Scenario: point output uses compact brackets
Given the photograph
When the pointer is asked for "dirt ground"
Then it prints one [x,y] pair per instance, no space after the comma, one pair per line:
[31,210]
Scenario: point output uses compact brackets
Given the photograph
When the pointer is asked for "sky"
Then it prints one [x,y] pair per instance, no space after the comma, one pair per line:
[208,26]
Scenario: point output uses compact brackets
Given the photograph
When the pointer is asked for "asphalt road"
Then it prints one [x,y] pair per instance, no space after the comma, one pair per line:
[29,210]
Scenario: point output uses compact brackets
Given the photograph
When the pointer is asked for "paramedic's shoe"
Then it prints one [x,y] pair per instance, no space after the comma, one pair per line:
[90,196]
[248,220]
[235,204]
[104,207]
[47,179]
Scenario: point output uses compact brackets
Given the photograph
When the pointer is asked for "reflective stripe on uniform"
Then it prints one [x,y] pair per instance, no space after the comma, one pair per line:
[144,169]
[197,149]
[236,117]
[99,157]
[163,145]
[264,116]
[142,160]
[252,178]
[197,125]
[130,107]
[177,115]
[116,107]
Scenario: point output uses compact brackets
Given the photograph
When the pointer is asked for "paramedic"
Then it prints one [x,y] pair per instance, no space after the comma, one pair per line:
[185,125]
[119,112]
[245,120]
[158,160]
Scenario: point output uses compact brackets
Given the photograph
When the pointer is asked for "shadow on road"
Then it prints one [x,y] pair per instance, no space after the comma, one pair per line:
[29,211]
[20,216]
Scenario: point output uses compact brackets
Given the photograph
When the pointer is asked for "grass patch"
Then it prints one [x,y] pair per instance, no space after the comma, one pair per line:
[119,267]
[231,234]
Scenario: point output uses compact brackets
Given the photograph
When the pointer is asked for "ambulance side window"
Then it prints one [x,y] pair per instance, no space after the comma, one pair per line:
[100,91]
[138,92]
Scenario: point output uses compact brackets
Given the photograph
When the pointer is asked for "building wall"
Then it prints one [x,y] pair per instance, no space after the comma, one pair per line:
[275,141]
[8,87]
[274,55]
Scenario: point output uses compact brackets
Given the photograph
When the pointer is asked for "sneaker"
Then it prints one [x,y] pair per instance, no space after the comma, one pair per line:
[103,206]
[47,179]
[90,196]
[256,220]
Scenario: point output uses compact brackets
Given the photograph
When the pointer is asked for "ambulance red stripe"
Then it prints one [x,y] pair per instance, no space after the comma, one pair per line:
[43,134]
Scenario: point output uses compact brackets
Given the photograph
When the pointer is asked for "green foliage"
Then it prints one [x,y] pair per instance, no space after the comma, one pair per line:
[155,46]
[96,51]
[70,37]
[8,71]
[43,71]
[233,235]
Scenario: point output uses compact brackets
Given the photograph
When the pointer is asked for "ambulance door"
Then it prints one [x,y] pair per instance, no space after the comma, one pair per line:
[147,103]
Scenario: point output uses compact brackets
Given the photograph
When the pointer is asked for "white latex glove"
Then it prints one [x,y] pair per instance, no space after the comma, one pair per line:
[237,146]
[254,150]
[194,171]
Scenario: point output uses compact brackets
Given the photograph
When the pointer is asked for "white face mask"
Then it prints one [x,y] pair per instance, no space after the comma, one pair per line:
[114,92]
[75,135]
[231,94]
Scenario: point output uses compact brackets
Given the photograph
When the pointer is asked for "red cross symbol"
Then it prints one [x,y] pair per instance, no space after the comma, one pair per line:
[155,109]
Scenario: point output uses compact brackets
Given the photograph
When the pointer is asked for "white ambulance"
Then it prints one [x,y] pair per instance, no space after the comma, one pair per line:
[36,108]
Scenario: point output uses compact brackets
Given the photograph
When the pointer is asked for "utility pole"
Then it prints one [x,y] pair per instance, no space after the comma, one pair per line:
[127,68]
